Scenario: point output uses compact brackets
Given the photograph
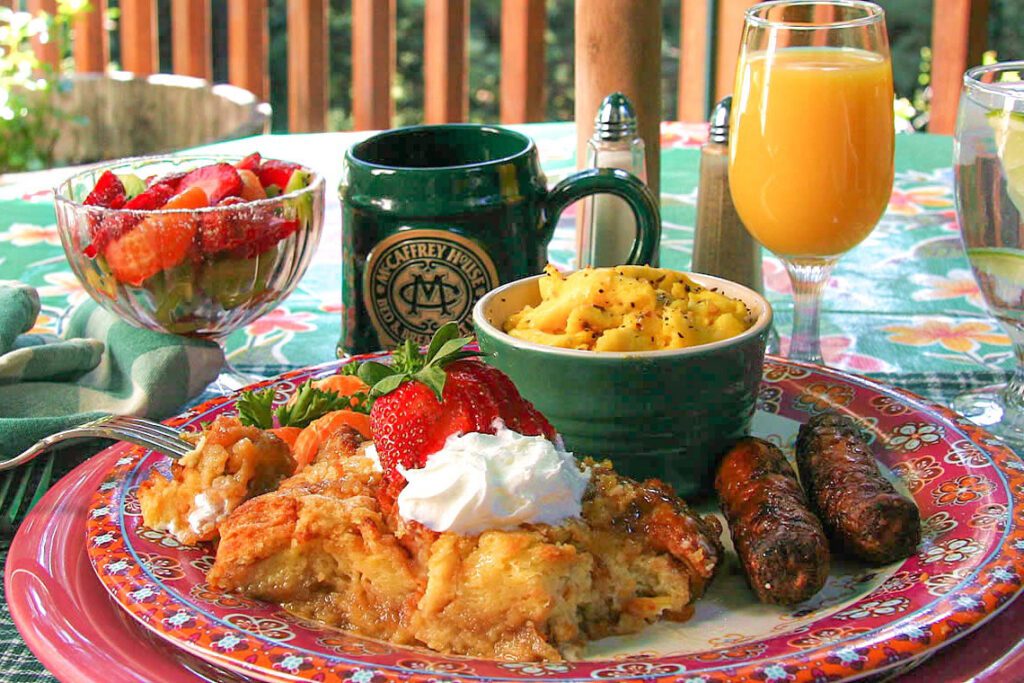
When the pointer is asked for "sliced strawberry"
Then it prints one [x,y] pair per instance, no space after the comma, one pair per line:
[158,242]
[172,180]
[250,163]
[274,229]
[517,413]
[108,192]
[276,172]
[224,230]
[251,188]
[153,198]
[438,395]
[216,180]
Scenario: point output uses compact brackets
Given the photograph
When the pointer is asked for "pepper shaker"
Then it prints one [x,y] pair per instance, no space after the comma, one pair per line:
[722,246]
[607,228]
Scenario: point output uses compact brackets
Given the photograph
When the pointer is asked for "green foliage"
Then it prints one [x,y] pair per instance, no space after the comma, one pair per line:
[29,120]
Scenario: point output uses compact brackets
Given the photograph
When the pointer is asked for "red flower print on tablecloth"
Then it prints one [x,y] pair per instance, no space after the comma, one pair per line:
[956,284]
[948,220]
[962,490]
[913,201]
[679,134]
[281,319]
[776,279]
[911,436]
[27,235]
[917,472]
[836,350]
[959,337]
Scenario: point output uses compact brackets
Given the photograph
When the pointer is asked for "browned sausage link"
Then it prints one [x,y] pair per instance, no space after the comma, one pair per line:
[780,542]
[862,512]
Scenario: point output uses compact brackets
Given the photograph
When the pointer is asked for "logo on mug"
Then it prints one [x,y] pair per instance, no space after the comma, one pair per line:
[417,280]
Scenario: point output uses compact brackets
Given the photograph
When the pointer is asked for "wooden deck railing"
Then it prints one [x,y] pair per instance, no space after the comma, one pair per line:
[709,42]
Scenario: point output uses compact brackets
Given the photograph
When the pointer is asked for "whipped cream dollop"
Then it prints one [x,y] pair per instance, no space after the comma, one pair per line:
[481,481]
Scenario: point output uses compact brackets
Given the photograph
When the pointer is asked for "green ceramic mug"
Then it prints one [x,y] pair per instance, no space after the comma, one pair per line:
[433,217]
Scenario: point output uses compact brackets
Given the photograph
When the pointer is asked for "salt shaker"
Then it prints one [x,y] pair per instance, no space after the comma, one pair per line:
[607,227]
[721,244]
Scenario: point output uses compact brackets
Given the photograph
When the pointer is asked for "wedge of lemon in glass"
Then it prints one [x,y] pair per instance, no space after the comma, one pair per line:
[1001,263]
[1008,127]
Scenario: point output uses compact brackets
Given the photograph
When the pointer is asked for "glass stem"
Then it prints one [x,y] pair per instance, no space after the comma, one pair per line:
[809,278]
[1013,394]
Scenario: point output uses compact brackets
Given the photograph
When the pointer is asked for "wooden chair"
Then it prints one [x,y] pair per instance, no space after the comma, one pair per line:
[709,41]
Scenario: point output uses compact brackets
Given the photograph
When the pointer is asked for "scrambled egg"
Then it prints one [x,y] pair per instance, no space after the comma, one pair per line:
[627,308]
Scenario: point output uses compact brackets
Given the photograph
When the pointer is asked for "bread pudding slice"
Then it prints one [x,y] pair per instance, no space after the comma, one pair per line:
[230,463]
[322,546]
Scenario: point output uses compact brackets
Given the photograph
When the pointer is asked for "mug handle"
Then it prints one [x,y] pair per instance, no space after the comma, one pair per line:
[621,184]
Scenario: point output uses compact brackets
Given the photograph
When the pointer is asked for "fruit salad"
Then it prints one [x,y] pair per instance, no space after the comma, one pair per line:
[191,243]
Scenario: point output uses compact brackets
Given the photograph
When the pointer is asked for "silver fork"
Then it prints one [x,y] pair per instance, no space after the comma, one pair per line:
[136,430]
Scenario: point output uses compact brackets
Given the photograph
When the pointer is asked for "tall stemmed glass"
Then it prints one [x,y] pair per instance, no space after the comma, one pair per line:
[989,156]
[811,151]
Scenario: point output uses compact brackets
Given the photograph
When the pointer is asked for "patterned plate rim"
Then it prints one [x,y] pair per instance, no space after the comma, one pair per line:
[930,616]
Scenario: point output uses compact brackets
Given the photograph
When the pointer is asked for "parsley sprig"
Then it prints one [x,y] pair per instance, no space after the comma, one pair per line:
[255,408]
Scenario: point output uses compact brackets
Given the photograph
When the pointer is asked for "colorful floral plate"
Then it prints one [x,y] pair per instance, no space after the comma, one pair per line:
[969,488]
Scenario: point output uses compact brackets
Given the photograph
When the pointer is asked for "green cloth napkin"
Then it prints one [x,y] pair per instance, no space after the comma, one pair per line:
[101,365]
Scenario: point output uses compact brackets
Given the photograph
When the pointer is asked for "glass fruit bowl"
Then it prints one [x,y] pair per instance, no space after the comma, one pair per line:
[198,246]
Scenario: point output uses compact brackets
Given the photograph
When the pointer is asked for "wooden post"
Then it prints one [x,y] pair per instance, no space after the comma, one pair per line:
[959,36]
[138,37]
[522,60]
[247,46]
[729,30]
[696,57]
[445,77]
[190,38]
[307,65]
[90,42]
[48,52]
[618,47]
[373,63]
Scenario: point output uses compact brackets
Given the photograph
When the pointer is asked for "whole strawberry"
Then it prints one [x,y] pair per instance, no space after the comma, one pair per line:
[420,400]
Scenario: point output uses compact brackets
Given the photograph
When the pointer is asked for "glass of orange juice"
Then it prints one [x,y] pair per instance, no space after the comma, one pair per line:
[811,148]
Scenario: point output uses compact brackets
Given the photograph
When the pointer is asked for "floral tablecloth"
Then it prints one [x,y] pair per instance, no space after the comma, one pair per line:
[902,302]
[902,307]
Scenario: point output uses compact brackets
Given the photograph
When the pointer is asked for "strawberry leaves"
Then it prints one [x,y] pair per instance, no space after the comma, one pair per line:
[408,363]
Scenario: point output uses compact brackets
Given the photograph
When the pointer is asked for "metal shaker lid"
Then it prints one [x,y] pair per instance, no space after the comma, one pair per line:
[719,131]
[616,118]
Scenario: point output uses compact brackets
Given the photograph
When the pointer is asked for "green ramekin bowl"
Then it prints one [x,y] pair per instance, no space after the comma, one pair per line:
[664,414]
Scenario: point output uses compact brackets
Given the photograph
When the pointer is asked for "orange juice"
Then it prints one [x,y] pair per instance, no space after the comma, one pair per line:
[811,154]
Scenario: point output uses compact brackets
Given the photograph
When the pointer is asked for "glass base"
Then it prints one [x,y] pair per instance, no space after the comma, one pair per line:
[986,407]
[231,379]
